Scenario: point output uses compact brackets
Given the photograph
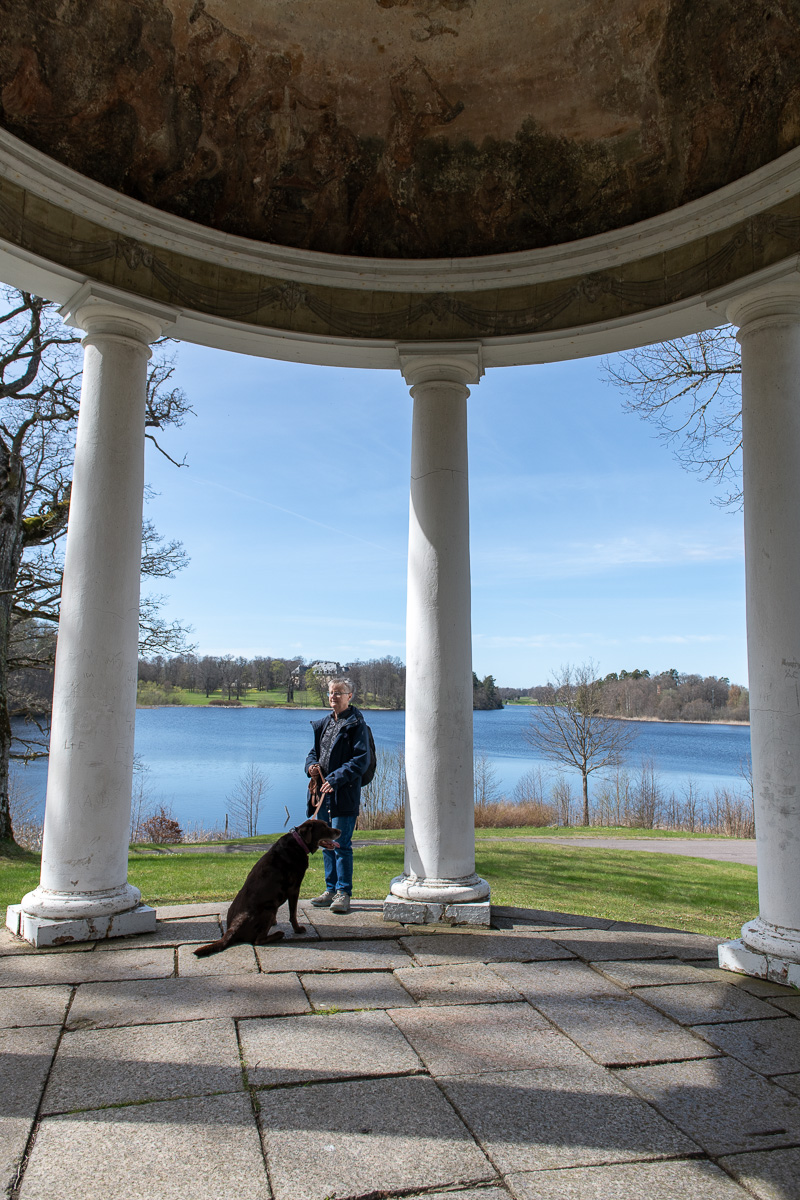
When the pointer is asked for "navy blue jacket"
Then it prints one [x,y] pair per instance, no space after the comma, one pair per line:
[349,760]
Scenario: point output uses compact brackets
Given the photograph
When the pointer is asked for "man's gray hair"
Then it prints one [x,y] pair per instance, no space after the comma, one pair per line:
[341,682]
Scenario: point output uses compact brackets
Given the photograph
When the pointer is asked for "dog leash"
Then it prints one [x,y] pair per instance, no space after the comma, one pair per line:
[315,789]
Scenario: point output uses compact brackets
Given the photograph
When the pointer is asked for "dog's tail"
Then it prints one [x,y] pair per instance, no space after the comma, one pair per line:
[221,943]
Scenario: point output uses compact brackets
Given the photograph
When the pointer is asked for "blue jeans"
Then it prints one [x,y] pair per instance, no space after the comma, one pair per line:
[339,863]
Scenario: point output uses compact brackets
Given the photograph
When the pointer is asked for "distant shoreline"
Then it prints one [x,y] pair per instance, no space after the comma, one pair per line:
[313,708]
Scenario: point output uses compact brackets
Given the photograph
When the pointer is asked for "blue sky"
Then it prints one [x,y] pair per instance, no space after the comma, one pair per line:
[588,540]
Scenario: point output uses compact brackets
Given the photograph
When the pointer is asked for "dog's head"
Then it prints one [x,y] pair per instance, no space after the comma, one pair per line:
[318,833]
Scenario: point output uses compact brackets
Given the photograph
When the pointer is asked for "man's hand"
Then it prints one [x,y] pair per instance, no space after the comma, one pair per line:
[314,771]
[326,787]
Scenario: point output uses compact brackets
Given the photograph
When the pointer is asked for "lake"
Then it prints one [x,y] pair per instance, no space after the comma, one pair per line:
[194,756]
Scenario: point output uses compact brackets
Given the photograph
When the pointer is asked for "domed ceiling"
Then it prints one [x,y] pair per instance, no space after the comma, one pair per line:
[405,128]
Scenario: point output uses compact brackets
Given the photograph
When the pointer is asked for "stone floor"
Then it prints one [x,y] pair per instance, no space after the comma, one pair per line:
[550,1058]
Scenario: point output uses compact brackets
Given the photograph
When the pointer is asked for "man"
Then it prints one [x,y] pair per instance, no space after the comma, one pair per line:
[339,758]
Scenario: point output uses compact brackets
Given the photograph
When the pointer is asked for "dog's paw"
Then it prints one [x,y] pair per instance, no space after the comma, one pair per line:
[299,928]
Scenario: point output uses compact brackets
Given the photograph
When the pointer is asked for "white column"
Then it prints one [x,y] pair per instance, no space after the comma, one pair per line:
[439,880]
[769,333]
[84,892]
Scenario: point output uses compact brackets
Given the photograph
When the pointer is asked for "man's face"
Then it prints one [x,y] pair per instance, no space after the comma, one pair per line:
[338,699]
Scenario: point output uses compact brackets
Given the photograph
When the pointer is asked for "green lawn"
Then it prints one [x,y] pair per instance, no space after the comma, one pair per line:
[276,697]
[527,831]
[658,889]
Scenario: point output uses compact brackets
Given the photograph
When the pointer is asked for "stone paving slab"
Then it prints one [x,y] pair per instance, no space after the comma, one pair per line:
[239,959]
[96,1068]
[707,1004]
[463,983]
[756,987]
[770,1175]
[725,1107]
[611,1025]
[468,1039]
[358,923]
[22,970]
[597,945]
[789,1004]
[33,1006]
[204,1148]
[366,1137]
[769,1047]
[483,1193]
[679,1179]
[355,989]
[145,1002]
[375,955]
[655,973]
[26,1055]
[169,933]
[482,948]
[168,912]
[560,1117]
[790,1082]
[544,916]
[9,944]
[334,1046]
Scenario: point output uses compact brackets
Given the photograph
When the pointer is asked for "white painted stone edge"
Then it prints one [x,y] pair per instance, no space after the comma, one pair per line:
[735,956]
[50,180]
[41,931]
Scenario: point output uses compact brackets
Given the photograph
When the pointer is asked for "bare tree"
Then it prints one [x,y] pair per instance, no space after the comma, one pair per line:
[568,727]
[486,785]
[690,391]
[383,800]
[246,799]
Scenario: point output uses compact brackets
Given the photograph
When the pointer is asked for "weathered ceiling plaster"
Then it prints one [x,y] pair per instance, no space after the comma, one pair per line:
[405,128]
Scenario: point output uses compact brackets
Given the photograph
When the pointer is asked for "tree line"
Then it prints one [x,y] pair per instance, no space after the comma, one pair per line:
[665,696]
[377,681]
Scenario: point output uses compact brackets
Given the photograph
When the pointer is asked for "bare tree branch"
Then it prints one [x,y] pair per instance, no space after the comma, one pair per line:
[690,391]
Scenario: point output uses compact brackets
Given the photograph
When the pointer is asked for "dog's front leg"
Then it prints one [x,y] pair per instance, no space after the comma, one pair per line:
[293,898]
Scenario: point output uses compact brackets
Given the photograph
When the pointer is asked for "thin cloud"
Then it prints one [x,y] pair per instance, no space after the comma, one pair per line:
[573,559]
[289,512]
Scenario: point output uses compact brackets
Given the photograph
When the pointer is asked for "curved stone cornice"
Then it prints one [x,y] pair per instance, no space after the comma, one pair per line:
[59,231]
[64,188]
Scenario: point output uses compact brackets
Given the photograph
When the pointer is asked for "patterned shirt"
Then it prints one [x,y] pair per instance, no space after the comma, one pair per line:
[327,739]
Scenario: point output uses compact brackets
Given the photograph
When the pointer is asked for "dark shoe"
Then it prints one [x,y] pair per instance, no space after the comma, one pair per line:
[341,903]
[325,900]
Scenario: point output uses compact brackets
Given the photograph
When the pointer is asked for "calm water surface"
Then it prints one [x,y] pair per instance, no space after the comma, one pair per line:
[194,756]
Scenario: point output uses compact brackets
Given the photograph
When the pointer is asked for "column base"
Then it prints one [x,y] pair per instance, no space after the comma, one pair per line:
[736,956]
[469,890]
[47,931]
[429,912]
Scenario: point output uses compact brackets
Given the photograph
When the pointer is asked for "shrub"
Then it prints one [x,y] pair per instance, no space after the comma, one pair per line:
[508,814]
[162,828]
[154,695]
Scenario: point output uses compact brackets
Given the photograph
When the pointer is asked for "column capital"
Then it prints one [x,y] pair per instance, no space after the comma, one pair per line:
[770,304]
[441,362]
[101,310]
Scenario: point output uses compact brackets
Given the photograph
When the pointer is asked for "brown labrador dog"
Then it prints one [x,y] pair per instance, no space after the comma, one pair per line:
[274,879]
